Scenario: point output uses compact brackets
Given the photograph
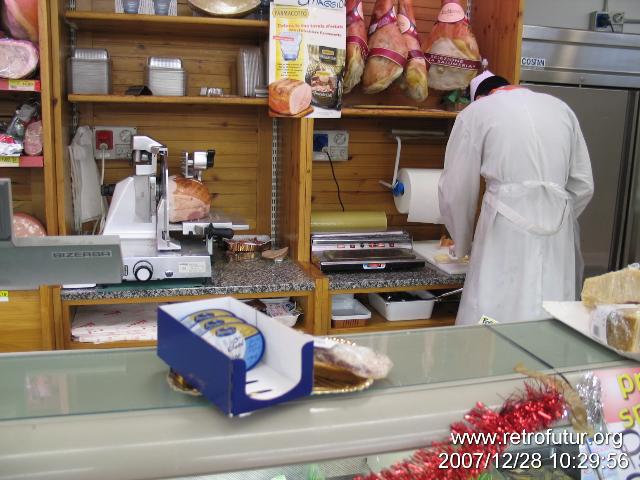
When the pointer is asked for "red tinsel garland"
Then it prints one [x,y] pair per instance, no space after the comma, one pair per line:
[537,408]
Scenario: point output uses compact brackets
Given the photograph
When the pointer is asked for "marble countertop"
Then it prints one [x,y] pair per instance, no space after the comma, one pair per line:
[409,278]
[229,277]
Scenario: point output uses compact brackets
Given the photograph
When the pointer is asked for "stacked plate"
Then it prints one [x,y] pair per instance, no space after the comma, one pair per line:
[166,76]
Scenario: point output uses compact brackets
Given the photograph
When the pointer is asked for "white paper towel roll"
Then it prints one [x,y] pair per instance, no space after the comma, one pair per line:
[420,198]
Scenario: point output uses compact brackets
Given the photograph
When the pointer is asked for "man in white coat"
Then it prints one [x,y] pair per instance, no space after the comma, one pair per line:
[530,150]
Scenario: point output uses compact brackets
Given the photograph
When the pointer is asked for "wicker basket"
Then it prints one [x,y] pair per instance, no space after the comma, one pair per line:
[350,323]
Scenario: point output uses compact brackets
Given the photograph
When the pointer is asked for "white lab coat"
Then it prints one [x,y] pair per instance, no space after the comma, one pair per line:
[530,150]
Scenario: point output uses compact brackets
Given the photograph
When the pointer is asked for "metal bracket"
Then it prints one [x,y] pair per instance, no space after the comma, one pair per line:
[75,118]
[275,174]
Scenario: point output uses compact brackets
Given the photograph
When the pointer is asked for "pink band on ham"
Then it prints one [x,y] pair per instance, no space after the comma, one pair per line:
[388,54]
[416,54]
[359,41]
[408,26]
[387,19]
[445,60]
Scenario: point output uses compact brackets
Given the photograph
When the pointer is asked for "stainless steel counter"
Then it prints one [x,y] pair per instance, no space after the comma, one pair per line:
[110,414]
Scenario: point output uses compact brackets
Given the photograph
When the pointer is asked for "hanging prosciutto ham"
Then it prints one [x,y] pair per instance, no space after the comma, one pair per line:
[357,49]
[414,79]
[387,49]
[451,49]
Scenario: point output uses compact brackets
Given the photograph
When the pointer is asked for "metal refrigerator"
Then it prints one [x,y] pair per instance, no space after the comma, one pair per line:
[598,75]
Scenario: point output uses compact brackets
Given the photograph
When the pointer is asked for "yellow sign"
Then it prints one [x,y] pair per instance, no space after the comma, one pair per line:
[4,296]
[485,320]
[24,85]
[9,161]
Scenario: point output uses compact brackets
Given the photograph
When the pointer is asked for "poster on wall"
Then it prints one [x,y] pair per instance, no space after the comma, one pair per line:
[307,49]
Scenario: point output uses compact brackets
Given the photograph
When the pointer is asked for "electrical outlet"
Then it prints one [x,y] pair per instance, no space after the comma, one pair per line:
[617,20]
[118,142]
[333,142]
[607,21]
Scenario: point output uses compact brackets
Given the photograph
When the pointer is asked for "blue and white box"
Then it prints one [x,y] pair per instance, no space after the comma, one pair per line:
[284,373]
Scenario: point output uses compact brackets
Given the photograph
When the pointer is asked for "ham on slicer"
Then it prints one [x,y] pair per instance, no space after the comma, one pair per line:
[142,208]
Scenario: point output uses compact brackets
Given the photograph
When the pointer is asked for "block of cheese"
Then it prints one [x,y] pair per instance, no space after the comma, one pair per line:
[618,287]
[623,329]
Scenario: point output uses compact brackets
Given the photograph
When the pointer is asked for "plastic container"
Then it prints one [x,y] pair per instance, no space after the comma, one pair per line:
[166,77]
[90,71]
[249,71]
[347,312]
[419,309]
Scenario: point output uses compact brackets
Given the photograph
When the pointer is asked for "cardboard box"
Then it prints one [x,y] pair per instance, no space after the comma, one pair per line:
[284,373]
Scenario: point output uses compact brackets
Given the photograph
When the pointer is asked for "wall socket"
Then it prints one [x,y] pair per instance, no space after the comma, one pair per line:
[333,142]
[607,21]
[118,141]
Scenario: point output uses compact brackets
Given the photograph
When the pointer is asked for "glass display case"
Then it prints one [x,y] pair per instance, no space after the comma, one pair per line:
[111,413]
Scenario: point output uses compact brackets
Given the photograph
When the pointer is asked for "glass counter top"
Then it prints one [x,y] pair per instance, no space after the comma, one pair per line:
[104,381]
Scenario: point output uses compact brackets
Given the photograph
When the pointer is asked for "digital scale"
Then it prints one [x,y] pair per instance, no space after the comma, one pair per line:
[364,251]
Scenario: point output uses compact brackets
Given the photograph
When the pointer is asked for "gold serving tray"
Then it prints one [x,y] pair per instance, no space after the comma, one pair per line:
[328,379]
[225,8]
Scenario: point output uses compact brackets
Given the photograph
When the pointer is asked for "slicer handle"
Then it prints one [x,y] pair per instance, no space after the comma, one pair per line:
[212,232]
[211,155]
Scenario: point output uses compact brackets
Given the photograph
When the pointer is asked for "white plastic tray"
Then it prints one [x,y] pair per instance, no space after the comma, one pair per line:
[576,316]
[346,307]
[411,310]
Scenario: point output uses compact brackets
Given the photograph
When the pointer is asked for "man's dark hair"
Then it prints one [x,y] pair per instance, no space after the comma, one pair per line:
[489,84]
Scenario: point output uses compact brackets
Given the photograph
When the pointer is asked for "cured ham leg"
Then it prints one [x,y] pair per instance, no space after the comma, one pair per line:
[387,49]
[357,49]
[189,199]
[451,49]
[414,80]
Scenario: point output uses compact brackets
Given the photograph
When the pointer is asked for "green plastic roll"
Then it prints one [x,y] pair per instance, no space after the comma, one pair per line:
[352,221]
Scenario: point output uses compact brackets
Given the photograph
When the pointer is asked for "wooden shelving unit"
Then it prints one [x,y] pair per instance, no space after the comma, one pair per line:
[26,319]
[241,130]
[157,100]
[124,24]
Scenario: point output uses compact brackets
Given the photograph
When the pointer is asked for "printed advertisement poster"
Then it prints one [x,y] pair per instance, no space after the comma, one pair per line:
[307,49]
[618,458]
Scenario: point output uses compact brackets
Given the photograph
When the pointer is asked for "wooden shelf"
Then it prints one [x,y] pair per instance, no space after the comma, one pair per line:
[397,112]
[156,100]
[21,162]
[123,24]
[130,344]
[444,315]
[19,85]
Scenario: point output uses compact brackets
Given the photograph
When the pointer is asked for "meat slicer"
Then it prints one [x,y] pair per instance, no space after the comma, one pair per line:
[139,215]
